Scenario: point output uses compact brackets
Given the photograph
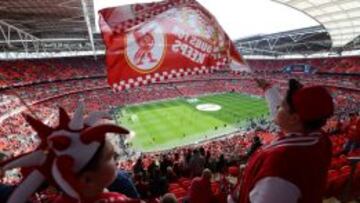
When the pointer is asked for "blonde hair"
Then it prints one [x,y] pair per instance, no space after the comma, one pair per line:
[168,198]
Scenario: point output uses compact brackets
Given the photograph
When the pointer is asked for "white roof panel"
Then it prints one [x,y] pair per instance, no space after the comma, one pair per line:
[340,17]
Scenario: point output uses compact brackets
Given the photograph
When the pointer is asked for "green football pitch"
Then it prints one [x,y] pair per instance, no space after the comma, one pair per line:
[166,124]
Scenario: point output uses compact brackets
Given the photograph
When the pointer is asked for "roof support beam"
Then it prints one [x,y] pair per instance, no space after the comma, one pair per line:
[325,5]
[255,50]
[332,13]
[7,30]
[47,40]
[88,24]
[46,54]
[18,30]
[292,35]
[341,20]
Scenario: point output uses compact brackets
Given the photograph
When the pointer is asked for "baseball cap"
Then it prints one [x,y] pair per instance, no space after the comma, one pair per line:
[313,103]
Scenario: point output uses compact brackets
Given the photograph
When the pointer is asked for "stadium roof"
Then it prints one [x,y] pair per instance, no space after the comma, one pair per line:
[341,18]
[304,41]
[57,28]
[46,18]
[46,25]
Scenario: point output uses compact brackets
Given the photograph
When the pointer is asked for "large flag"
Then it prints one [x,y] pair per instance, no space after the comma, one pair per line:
[151,42]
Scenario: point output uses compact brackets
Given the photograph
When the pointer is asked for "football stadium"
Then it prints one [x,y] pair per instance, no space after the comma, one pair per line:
[188,101]
[158,125]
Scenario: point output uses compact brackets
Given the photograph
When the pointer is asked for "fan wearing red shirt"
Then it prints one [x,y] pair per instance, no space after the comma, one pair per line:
[200,189]
[76,157]
[293,169]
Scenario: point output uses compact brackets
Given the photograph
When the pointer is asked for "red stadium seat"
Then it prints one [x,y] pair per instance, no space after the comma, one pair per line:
[173,186]
[186,184]
[179,193]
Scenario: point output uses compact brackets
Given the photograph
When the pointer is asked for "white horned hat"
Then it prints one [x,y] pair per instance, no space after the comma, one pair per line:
[63,151]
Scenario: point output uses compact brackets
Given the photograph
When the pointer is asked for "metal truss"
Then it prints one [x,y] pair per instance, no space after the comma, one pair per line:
[49,54]
[26,39]
[65,26]
[16,43]
[50,48]
[302,41]
[88,24]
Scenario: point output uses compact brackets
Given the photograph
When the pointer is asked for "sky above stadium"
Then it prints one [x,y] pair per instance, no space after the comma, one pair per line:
[241,18]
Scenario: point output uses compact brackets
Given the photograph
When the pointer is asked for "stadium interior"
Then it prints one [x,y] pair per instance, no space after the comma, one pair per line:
[51,56]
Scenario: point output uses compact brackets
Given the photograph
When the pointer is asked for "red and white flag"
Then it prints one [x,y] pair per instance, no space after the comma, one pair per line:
[151,42]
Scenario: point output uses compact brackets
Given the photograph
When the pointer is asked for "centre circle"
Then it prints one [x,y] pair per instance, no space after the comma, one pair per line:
[208,107]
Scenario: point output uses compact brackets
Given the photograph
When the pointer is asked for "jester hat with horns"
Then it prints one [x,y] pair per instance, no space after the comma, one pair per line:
[63,152]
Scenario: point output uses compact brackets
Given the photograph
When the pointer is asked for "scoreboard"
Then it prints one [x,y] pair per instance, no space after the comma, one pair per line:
[299,69]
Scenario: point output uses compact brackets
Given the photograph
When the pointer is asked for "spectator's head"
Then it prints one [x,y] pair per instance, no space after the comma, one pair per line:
[80,156]
[139,160]
[353,116]
[168,198]
[176,156]
[100,172]
[208,154]
[206,174]
[169,170]
[304,109]
[256,139]
[202,151]
[196,152]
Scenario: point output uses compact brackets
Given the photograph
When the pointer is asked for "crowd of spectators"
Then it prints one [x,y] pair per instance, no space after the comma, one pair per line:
[45,98]
[181,171]
[175,171]
[329,64]
[23,72]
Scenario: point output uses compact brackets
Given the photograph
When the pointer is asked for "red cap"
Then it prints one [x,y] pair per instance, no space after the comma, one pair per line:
[313,103]
[234,171]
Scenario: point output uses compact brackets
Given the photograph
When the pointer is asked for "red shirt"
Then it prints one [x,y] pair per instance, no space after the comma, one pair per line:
[301,160]
[200,191]
[354,130]
[107,197]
